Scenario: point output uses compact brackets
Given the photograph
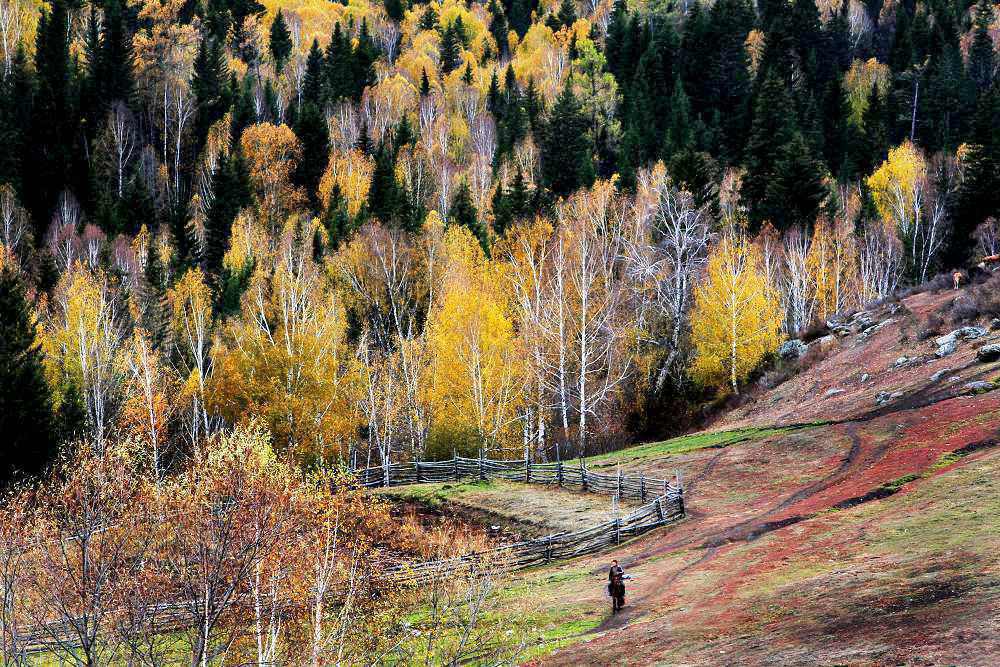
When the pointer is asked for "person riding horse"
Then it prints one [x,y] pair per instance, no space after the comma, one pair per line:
[616,586]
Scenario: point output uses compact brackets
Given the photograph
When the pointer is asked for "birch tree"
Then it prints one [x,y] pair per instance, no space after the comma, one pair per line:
[736,319]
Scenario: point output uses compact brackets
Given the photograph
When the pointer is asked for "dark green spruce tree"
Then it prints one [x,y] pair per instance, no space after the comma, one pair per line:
[230,194]
[280,41]
[463,212]
[567,163]
[25,402]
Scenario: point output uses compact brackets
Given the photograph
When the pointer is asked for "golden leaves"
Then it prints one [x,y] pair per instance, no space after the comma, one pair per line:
[736,318]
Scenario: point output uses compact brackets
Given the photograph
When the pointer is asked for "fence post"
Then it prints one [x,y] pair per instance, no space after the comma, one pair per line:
[559,473]
[680,491]
[619,480]
[548,549]
[482,473]
[583,475]
[527,470]
[659,508]
[618,530]
[454,464]
[416,465]
[642,486]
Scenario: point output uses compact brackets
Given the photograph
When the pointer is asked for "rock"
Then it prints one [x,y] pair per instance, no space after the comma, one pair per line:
[868,331]
[978,387]
[946,339]
[826,341]
[988,353]
[995,323]
[971,333]
[864,378]
[884,397]
[901,361]
[946,349]
[792,349]
[940,374]
[832,392]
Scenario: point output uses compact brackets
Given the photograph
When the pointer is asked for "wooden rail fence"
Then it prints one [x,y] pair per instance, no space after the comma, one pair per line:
[665,507]
[664,504]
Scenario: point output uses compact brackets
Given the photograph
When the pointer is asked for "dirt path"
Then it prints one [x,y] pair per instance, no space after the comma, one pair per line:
[869,442]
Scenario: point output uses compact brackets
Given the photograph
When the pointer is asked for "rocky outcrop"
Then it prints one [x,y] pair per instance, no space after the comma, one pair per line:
[792,349]
[988,353]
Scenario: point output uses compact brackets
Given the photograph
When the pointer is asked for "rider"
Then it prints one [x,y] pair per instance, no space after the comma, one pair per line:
[616,586]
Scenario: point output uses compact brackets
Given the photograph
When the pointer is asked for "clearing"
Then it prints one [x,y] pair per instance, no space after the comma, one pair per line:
[849,515]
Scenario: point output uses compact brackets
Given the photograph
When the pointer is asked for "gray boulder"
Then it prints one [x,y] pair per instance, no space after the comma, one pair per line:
[978,387]
[965,333]
[792,349]
[940,374]
[884,397]
[971,333]
[864,378]
[995,323]
[832,392]
[826,341]
[946,349]
[988,352]
[947,338]
[900,361]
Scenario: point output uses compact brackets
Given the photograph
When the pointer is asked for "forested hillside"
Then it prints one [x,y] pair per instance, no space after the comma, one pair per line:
[244,246]
[412,229]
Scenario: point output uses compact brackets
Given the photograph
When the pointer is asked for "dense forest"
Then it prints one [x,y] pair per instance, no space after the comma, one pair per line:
[396,231]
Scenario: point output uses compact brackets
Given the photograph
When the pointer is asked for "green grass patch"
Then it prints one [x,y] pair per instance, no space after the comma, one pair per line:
[898,483]
[433,495]
[690,443]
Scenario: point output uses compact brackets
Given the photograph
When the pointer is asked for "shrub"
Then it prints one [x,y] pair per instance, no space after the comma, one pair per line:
[964,309]
[987,298]
[815,330]
[931,327]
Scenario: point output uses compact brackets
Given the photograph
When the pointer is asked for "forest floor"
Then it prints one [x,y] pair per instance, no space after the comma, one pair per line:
[823,527]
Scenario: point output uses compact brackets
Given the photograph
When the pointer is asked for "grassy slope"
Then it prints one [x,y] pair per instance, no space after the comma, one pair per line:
[861,539]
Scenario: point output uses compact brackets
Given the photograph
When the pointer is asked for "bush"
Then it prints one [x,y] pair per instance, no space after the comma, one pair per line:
[817,329]
[964,309]
[931,328]
[987,298]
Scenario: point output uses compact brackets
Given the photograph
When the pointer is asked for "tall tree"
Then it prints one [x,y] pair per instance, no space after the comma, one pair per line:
[982,56]
[280,41]
[230,194]
[566,147]
[736,318]
[25,402]
[209,86]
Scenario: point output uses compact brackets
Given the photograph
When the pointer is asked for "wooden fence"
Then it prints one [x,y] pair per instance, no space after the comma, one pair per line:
[666,506]
[635,487]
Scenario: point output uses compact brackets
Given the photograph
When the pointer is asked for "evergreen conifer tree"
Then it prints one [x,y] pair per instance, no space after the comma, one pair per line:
[774,126]
[26,419]
[982,57]
[311,129]
[230,194]
[280,41]
[429,19]
[463,212]
[567,163]
[209,86]
[450,49]
[979,194]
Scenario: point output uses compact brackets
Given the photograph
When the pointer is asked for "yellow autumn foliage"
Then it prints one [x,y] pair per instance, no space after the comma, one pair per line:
[736,318]
[475,375]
